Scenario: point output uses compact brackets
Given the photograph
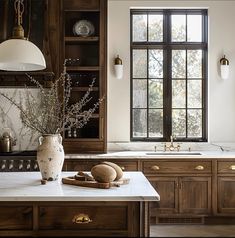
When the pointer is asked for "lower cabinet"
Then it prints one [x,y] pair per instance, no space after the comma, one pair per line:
[226,195]
[74,219]
[181,195]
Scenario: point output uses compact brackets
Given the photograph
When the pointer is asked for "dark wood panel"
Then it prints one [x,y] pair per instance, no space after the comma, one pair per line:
[101,218]
[226,195]
[158,167]
[167,187]
[195,195]
[226,167]
[72,5]
[16,218]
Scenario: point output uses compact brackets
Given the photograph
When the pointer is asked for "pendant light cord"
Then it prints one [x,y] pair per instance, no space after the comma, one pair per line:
[19,10]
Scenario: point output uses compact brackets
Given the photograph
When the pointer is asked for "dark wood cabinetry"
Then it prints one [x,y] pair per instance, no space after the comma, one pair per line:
[90,67]
[226,187]
[184,187]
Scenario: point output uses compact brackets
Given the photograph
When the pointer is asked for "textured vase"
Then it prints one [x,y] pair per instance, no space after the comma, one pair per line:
[50,156]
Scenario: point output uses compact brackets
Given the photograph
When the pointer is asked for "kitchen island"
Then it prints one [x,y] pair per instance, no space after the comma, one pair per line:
[28,208]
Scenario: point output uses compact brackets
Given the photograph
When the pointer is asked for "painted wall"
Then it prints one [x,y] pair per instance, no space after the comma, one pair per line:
[221,94]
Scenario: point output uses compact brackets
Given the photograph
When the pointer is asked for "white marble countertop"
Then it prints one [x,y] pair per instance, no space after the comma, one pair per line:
[217,154]
[26,186]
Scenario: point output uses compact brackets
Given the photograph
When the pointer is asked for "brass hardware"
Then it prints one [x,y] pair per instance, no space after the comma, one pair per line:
[224,61]
[171,147]
[199,167]
[232,167]
[123,168]
[81,219]
[155,167]
[117,61]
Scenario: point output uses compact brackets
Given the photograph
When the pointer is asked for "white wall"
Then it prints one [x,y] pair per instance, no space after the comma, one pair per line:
[221,101]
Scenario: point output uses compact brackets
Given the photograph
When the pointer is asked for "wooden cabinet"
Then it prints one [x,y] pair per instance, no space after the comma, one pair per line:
[226,187]
[184,187]
[87,66]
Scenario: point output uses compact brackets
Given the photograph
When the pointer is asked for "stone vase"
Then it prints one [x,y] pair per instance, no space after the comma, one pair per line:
[50,156]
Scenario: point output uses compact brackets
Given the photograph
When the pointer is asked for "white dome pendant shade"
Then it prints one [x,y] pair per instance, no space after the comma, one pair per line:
[21,55]
[18,53]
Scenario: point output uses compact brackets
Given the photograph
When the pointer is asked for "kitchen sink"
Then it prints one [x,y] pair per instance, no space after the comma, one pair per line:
[173,153]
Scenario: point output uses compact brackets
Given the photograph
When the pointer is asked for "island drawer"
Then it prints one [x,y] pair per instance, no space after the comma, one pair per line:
[16,218]
[159,167]
[85,217]
[226,167]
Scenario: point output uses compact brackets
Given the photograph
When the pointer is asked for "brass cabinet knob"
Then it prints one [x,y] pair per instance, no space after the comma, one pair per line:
[199,167]
[155,167]
[81,219]
[232,167]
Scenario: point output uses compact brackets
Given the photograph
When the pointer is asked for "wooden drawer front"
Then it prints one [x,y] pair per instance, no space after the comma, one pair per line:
[81,165]
[101,218]
[158,167]
[226,167]
[126,165]
[16,218]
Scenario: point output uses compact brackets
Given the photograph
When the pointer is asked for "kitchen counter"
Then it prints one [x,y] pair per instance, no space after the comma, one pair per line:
[24,186]
[152,154]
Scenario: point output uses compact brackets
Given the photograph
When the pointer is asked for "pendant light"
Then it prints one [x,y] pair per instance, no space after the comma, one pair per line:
[18,53]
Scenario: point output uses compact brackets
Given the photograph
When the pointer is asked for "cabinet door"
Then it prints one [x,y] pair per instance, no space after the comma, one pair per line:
[195,195]
[226,195]
[167,188]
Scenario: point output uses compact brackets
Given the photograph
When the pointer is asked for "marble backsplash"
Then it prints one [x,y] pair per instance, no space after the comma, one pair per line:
[26,139]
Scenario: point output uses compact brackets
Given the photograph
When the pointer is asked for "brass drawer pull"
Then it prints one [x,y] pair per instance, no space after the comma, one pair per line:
[199,167]
[232,167]
[81,219]
[123,168]
[155,167]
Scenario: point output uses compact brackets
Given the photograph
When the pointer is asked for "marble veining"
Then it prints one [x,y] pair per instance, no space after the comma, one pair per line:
[26,186]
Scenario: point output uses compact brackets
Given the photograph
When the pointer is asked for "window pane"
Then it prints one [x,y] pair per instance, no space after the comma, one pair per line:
[139,28]
[178,63]
[155,123]
[178,94]
[155,93]
[155,64]
[194,60]
[194,93]
[139,93]
[178,30]
[139,63]
[139,122]
[194,28]
[178,123]
[155,31]
[194,123]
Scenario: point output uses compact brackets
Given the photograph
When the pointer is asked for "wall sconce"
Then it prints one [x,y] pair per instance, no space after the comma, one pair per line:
[224,68]
[18,53]
[118,68]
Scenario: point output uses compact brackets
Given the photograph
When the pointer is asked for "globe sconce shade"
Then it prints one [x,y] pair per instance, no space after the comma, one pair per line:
[118,68]
[224,68]
[21,55]
[18,53]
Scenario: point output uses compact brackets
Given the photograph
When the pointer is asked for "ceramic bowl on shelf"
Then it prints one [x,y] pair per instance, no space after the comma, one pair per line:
[83,28]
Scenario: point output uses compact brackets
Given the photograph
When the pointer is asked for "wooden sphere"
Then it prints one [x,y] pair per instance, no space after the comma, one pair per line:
[103,173]
[117,169]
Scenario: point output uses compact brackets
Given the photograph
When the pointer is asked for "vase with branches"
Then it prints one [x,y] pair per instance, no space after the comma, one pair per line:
[49,116]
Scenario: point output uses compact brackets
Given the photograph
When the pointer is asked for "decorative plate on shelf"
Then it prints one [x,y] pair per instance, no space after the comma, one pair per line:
[83,28]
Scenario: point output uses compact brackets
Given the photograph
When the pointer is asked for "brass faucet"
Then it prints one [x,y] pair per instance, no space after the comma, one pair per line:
[171,147]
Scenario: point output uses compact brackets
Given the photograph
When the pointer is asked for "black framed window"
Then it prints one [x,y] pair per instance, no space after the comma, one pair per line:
[169,74]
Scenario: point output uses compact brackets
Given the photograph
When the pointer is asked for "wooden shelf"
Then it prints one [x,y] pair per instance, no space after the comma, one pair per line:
[83,68]
[75,39]
[84,89]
